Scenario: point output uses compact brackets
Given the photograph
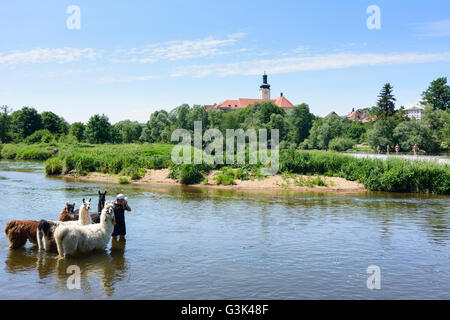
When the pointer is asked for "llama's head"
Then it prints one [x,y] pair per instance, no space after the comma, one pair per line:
[70,207]
[86,204]
[108,213]
[101,196]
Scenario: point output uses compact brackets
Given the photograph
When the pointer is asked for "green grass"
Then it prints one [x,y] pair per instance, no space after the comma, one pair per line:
[27,152]
[392,175]
[124,180]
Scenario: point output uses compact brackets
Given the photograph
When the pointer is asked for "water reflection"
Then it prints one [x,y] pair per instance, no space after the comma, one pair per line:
[109,267]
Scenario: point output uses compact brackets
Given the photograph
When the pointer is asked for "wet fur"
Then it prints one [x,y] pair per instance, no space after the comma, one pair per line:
[76,238]
[19,231]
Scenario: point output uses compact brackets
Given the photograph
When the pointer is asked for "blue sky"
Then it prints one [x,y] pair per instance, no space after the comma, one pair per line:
[130,58]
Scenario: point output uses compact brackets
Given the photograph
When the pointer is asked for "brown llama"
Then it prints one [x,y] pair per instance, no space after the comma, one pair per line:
[19,231]
[67,213]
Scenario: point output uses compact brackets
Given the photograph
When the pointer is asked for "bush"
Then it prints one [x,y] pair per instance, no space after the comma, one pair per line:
[53,166]
[9,151]
[134,172]
[341,144]
[39,136]
[190,174]
[124,180]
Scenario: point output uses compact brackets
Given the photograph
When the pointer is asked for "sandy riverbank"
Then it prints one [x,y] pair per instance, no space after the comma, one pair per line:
[277,182]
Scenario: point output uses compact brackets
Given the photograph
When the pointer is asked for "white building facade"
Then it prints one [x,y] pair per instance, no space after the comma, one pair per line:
[414,112]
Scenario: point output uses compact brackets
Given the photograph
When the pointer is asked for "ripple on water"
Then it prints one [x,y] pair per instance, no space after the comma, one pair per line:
[184,243]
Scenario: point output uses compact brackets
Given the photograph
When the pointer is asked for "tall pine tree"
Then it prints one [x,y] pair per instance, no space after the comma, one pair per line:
[386,101]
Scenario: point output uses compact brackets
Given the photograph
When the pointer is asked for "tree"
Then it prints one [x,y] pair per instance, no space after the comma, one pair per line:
[181,116]
[129,131]
[5,124]
[382,133]
[417,132]
[386,101]
[54,123]
[438,94]
[300,123]
[198,113]
[98,129]
[145,135]
[158,124]
[77,129]
[356,130]
[277,121]
[25,121]
[323,130]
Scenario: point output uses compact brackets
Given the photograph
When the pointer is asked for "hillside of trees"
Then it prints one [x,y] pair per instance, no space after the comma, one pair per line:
[300,129]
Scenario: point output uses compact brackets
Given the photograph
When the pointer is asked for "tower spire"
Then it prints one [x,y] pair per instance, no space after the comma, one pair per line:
[264,89]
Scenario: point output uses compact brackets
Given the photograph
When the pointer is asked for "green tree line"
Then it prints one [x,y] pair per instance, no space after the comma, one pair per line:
[299,128]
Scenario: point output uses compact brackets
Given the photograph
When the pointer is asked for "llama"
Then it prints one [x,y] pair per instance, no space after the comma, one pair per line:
[95,216]
[19,231]
[46,229]
[67,214]
[72,238]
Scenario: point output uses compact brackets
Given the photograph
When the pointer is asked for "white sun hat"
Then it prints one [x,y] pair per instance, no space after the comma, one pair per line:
[120,196]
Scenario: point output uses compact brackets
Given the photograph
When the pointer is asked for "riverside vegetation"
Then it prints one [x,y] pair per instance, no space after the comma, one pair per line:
[132,160]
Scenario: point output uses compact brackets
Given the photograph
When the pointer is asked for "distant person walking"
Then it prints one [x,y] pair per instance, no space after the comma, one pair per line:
[415,149]
[388,148]
[379,149]
[120,206]
[397,149]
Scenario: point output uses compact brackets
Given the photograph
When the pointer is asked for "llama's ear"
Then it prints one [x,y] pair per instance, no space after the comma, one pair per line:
[99,193]
[105,193]
[83,200]
[90,199]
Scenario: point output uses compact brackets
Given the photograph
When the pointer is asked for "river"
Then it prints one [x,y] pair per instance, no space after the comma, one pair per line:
[193,243]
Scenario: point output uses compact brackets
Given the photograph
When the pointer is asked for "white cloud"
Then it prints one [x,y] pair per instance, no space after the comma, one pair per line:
[62,55]
[177,50]
[309,63]
[126,79]
[434,29]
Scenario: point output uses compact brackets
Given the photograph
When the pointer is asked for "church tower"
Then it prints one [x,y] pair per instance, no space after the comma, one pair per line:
[264,89]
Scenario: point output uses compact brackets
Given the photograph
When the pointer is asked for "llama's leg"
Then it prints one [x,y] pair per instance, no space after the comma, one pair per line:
[16,239]
[69,244]
[59,246]
[39,239]
[46,243]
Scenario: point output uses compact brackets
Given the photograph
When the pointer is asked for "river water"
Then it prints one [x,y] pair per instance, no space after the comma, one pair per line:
[192,243]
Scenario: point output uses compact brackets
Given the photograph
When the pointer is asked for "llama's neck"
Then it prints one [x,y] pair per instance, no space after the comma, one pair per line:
[84,217]
[64,216]
[101,205]
[108,226]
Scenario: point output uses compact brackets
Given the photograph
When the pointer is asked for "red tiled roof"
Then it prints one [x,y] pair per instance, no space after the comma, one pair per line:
[241,103]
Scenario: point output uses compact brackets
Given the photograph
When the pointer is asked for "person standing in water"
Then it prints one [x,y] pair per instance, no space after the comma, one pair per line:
[388,148]
[120,206]
[379,149]
[397,148]
[415,149]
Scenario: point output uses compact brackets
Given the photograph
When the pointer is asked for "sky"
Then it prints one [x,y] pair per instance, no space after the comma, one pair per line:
[127,59]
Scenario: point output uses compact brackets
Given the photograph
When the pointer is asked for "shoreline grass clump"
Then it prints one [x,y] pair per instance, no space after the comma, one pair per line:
[53,166]
[124,180]
[392,175]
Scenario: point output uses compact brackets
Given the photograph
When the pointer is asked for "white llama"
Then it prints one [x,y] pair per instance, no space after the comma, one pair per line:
[72,238]
[46,228]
